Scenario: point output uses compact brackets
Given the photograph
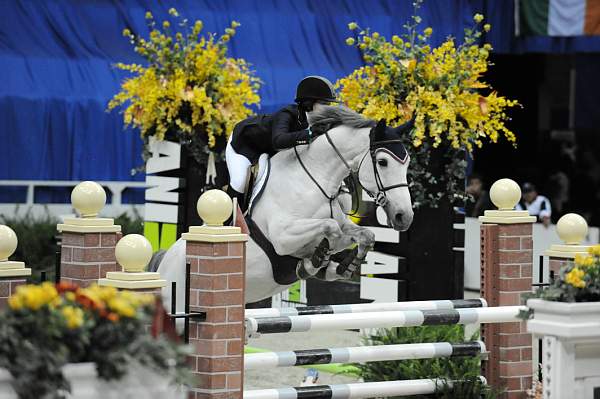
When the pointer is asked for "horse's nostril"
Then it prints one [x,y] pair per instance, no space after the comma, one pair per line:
[398,217]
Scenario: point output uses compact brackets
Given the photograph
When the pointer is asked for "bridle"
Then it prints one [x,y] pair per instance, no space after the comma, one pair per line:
[380,196]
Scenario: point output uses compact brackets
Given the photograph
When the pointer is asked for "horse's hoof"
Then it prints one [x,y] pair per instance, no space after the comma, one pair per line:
[320,257]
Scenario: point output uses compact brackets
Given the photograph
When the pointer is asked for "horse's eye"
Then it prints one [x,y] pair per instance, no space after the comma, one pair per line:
[382,162]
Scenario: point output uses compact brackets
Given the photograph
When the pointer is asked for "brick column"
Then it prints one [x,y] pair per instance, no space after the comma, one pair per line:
[506,262]
[88,242]
[217,265]
[506,273]
[12,274]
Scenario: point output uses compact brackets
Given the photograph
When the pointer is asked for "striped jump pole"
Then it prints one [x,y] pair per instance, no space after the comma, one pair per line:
[351,391]
[368,307]
[408,318]
[361,354]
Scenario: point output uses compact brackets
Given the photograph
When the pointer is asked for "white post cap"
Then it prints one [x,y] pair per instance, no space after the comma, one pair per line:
[505,194]
[214,207]
[88,198]
[8,242]
[133,252]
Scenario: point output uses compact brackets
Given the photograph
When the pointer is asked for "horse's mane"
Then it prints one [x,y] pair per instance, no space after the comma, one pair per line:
[335,115]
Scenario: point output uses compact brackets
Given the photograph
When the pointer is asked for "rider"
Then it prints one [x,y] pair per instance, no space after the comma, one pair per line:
[268,134]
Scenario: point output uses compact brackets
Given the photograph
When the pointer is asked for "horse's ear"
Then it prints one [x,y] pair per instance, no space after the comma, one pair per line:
[378,132]
[405,128]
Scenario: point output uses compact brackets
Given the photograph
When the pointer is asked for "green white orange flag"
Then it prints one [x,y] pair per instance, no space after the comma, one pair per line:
[557,17]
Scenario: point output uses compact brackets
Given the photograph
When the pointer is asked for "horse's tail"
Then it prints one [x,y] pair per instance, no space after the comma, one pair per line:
[157,257]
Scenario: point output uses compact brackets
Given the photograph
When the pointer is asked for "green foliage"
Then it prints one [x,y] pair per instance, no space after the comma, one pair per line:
[130,225]
[466,369]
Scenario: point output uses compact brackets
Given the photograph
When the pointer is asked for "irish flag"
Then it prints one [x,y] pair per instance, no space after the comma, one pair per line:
[557,17]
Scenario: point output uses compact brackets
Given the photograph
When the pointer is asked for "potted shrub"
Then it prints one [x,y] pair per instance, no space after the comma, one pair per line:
[62,341]
[567,316]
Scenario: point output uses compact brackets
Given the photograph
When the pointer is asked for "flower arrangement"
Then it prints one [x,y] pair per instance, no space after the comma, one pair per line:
[577,282]
[441,88]
[47,326]
[189,89]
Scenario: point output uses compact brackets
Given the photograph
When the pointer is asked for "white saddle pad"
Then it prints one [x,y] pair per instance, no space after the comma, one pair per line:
[263,175]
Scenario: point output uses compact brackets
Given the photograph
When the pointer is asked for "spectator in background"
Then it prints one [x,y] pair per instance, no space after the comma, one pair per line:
[537,205]
[481,198]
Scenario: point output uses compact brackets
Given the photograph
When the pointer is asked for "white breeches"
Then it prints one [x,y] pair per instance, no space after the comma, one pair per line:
[238,166]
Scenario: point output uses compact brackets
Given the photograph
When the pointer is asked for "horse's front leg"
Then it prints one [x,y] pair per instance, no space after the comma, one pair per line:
[308,239]
[365,240]
[300,237]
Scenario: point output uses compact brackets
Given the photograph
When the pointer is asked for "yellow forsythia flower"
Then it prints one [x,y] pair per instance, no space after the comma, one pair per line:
[186,72]
[352,25]
[478,18]
[428,31]
[350,41]
[487,27]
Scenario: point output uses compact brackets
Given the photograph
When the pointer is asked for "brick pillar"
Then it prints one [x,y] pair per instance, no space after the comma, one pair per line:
[87,257]
[217,267]
[506,273]
[507,262]
[88,242]
[8,286]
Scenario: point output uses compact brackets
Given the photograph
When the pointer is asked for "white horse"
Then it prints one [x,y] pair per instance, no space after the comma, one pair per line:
[299,205]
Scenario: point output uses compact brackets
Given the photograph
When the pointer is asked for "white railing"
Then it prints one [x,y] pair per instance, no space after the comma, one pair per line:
[114,208]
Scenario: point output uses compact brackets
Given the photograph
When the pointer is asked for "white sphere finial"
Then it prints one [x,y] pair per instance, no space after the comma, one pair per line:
[133,252]
[505,194]
[8,242]
[88,198]
[214,207]
[572,229]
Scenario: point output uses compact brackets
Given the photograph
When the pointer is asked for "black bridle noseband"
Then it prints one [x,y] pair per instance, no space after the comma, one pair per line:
[380,197]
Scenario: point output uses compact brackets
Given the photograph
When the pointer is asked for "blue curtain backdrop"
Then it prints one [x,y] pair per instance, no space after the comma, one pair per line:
[56,56]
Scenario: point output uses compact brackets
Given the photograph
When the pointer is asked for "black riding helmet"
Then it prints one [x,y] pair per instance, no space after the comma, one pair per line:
[315,88]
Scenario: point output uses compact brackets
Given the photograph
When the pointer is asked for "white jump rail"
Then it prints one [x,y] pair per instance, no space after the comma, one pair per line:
[361,354]
[368,307]
[408,318]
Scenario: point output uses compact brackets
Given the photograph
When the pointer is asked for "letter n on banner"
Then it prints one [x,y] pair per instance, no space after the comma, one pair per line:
[164,208]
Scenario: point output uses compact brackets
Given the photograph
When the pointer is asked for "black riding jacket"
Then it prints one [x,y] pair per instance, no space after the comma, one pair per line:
[270,133]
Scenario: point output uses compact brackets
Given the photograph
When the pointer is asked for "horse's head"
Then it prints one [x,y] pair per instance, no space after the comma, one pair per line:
[383,174]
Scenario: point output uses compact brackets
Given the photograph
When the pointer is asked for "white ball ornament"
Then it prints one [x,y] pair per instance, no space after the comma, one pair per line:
[572,228]
[214,207]
[88,198]
[8,242]
[505,194]
[133,252]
